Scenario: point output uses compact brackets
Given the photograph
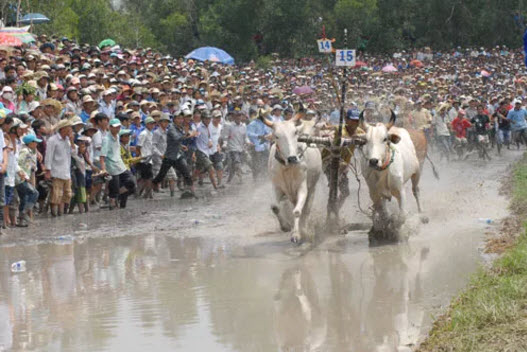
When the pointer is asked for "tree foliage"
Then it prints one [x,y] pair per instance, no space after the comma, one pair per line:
[251,28]
[90,21]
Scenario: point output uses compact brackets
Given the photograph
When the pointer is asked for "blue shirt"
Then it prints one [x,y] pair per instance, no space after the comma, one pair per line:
[256,129]
[334,117]
[190,143]
[517,119]
[84,116]
[136,131]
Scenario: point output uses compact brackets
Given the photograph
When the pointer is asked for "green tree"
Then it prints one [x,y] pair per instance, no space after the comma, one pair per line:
[231,25]
[359,17]
[288,27]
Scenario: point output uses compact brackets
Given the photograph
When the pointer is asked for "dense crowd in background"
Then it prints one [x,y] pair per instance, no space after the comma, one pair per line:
[84,128]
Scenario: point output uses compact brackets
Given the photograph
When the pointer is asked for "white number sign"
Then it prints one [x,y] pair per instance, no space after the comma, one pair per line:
[324,45]
[345,57]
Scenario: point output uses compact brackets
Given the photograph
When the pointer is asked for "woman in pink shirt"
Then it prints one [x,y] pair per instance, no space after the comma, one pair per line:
[6,97]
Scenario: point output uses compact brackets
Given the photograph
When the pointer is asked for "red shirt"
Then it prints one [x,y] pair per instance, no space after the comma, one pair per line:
[460,126]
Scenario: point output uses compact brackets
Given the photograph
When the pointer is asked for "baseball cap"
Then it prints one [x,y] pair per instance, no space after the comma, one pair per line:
[115,123]
[353,114]
[89,126]
[87,99]
[28,138]
[123,132]
[149,119]
[164,117]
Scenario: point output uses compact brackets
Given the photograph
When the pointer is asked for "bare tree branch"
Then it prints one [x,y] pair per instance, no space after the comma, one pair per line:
[452,12]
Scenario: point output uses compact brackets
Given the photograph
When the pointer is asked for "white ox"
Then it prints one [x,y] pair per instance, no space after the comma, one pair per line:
[389,160]
[294,170]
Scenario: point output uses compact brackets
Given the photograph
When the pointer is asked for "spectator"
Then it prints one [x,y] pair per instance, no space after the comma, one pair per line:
[112,163]
[144,149]
[27,163]
[58,165]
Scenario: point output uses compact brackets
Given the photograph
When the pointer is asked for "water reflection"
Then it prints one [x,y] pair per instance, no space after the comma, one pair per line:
[170,293]
[300,320]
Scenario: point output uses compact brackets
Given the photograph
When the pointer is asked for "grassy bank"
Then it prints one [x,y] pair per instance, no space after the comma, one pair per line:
[491,315]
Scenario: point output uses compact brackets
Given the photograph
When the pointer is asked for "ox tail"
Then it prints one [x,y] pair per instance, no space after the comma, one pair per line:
[434,170]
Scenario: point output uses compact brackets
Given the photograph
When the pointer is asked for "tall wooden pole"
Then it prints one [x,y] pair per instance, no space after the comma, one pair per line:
[333,206]
[18,13]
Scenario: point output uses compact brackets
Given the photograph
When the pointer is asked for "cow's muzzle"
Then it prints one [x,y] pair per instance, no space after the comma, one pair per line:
[374,163]
[292,160]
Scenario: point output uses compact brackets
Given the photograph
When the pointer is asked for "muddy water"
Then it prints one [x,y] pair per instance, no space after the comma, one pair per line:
[215,275]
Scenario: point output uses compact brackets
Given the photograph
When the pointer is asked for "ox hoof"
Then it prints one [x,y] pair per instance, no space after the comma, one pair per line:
[424,219]
[295,238]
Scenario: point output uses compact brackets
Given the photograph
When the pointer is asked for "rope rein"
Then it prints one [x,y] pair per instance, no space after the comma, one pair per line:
[355,171]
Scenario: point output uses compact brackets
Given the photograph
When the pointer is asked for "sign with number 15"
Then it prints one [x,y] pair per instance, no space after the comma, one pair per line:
[345,57]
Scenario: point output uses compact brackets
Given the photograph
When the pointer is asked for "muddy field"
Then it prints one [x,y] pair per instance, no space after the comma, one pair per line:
[215,274]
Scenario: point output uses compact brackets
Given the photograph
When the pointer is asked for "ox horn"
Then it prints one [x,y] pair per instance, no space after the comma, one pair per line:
[299,116]
[393,117]
[363,125]
[267,122]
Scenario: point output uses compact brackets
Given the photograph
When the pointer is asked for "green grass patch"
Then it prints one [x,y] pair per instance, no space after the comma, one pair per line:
[519,191]
[491,315]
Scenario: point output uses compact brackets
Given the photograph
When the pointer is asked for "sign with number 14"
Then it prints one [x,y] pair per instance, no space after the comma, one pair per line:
[345,57]
[324,45]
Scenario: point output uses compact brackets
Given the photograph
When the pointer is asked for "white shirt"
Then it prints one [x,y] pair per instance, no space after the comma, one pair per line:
[145,142]
[215,134]
[108,109]
[42,93]
[452,114]
[75,107]
[12,167]
[440,124]
[91,151]
[2,146]
[58,157]
[236,137]
[97,140]
[159,143]
[203,139]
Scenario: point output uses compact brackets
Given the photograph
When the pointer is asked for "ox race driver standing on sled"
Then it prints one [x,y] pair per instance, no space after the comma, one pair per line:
[350,129]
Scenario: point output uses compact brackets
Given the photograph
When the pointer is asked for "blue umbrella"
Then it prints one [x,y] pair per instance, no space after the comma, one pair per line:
[34,18]
[211,54]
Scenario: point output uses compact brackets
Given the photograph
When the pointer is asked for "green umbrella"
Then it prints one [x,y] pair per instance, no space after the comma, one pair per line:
[106,42]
